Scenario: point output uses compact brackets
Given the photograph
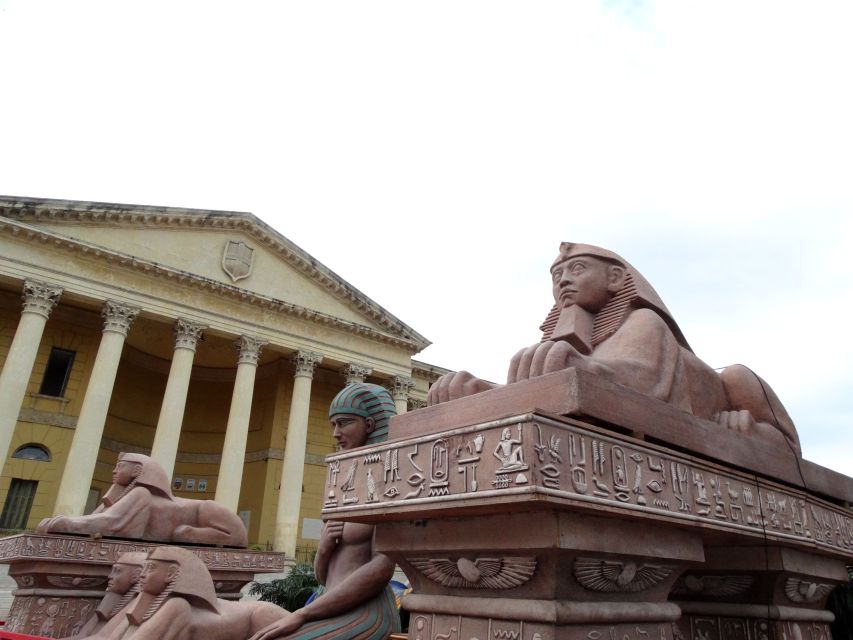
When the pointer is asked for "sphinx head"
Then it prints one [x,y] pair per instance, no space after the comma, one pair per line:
[586,276]
[125,572]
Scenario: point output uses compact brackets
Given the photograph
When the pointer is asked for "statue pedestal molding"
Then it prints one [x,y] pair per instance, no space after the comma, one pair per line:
[535,526]
[61,579]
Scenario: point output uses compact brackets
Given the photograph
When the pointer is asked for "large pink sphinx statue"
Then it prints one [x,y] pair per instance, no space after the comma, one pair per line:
[140,505]
[608,320]
[176,600]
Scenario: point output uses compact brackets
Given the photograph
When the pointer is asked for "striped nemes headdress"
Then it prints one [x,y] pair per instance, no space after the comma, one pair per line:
[368,401]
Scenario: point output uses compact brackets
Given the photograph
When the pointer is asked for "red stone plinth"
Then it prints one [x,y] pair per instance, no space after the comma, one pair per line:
[61,579]
[540,527]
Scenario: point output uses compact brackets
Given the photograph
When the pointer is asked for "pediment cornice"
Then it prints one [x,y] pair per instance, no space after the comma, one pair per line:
[23,216]
[60,242]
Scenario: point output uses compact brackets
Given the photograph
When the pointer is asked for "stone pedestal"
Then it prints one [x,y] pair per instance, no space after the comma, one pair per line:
[61,579]
[535,526]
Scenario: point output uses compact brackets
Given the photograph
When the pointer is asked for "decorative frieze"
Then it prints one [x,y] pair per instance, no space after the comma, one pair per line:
[305,363]
[534,457]
[187,334]
[250,349]
[354,372]
[118,317]
[40,298]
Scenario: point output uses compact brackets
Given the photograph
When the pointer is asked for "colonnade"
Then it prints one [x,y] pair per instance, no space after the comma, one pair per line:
[39,301]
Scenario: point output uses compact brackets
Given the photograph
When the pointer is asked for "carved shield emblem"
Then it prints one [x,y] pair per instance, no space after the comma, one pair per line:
[237,259]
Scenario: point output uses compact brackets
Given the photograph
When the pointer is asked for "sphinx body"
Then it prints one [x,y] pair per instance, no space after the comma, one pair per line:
[608,320]
[177,601]
[140,505]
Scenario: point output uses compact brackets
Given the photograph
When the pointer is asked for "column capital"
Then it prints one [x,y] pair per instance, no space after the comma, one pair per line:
[306,362]
[40,297]
[118,317]
[400,387]
[355,372]
[250,349]
[187,334]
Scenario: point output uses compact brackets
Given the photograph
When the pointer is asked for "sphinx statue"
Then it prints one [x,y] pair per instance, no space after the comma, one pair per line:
[357,602]
[608,320]
[140,505]
[177,601]
[122,587]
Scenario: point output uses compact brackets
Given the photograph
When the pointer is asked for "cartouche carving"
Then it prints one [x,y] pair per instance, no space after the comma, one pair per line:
[480,573]
[610,576]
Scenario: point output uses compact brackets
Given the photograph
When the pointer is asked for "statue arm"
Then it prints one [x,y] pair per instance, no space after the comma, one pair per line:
[333,530]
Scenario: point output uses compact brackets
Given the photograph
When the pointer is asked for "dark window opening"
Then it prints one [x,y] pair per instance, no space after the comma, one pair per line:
[32,451]
[19,501]
[56,372]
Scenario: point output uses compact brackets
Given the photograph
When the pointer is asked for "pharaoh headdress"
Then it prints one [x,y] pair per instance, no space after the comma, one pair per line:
[368,401]
[636,293]
[193,580]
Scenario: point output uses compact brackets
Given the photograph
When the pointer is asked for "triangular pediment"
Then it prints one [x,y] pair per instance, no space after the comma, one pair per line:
[233,248]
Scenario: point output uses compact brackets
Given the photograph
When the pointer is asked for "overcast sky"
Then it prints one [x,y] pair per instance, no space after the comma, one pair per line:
[434,154]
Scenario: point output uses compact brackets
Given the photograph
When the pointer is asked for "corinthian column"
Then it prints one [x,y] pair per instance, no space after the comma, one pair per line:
[400,387]
[293,467]
[354,372]
[168,432]
[234,449]
[83,454]
[39,300]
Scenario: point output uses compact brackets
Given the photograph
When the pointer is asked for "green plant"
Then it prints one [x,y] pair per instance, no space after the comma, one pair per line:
[291,592]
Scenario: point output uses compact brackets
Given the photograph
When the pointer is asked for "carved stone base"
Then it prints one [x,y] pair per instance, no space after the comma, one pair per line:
[538,527]
[61,579]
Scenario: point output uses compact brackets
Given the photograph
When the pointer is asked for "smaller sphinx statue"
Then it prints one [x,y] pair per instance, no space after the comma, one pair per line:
[177,601]
[608,320]
[140,506]
[122,587]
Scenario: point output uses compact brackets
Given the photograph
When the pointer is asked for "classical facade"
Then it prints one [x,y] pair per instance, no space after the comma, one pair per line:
[203,338]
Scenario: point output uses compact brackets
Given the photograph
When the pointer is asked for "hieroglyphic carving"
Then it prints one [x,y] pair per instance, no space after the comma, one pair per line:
[609,576]
[47,616]
[480,573]
[598,469]
[55,547]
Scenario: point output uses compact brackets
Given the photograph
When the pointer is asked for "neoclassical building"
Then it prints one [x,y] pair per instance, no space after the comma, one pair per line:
[203,338]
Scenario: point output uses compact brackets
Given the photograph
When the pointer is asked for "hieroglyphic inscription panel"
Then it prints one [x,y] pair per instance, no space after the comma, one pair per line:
[582,466]
[68,548]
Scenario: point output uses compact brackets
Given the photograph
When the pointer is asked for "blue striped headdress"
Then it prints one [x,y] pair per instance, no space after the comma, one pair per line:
[368,401]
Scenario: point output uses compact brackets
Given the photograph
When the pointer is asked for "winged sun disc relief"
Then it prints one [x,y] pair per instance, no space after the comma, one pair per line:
[480,573]
[806,591]
[610,576]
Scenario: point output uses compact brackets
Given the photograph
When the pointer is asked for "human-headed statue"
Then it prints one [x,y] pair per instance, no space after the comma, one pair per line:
[140,505]
[608,320]
[177,600]
[358,603]
[122,587]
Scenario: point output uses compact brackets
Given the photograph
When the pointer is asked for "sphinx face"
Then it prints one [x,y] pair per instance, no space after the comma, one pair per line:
[585,281]
[156,576]
[123,577]
[124,472]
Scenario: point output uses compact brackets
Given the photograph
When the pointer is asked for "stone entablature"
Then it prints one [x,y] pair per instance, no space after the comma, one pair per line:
[532,457]
[184,278]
